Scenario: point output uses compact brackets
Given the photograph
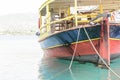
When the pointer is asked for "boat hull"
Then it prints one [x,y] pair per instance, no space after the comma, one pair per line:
[62,45]
[83,53]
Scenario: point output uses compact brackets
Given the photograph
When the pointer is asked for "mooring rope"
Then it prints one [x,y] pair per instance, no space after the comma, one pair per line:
[99,54]
[78,34]
[57,74]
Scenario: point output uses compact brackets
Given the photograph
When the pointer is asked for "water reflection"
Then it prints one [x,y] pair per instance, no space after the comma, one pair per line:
[56,69]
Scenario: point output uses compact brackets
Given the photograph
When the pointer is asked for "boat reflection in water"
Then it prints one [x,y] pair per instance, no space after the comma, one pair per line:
[57,69]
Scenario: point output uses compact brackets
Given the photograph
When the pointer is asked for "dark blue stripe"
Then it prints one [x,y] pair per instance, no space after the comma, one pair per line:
[115,32]
[70,37]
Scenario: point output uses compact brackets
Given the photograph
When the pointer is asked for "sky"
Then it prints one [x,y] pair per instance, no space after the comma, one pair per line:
[19,6]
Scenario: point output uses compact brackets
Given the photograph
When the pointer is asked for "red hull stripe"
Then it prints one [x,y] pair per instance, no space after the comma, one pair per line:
[84,48]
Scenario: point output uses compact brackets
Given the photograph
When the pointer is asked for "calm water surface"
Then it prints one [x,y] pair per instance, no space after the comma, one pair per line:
[19,57]
[56,69]
[22,59]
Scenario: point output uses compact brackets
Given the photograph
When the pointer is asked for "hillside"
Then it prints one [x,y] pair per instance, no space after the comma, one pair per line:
[18,23]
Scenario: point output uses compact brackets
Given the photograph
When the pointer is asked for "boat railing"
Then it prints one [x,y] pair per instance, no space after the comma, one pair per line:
[51,24]
[66,22]
[63,23]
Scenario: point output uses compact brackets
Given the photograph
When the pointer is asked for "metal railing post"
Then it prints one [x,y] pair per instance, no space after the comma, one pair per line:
[76,20]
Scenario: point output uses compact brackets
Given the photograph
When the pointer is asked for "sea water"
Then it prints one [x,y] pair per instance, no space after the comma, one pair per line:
[21,58]
[57,69]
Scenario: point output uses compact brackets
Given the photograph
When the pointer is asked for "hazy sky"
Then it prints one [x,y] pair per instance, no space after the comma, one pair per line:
[19,6]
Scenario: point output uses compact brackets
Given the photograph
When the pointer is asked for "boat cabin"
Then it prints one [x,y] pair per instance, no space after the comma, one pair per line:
[62,15]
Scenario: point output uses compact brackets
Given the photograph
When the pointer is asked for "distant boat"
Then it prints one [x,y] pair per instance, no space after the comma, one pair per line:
[85,29]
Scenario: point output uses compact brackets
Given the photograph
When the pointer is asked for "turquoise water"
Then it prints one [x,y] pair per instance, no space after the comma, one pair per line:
[57,69]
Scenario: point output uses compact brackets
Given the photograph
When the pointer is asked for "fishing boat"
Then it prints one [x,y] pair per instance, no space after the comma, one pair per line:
[85,30]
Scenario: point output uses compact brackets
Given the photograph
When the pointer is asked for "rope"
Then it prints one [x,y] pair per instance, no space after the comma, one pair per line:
[75,49]
[100,55]
[57,74]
